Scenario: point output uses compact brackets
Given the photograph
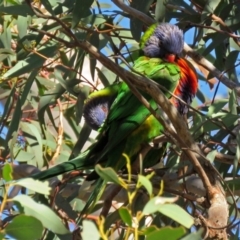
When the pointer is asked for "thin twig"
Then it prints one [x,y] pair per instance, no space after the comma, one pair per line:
[108,200]
[60,134]
[234,36]
[211,68]
[223,24]
[133,12]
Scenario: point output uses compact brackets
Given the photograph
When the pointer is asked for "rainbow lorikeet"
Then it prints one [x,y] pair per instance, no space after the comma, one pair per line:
[126,125]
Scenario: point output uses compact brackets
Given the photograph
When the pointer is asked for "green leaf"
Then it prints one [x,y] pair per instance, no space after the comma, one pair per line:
[22,10]
[173,211]
[177,213]
[48,6]
[82,139]
[211,155]
[28,86]
[14,124]
[160,10]
[95,19]
[102,5]
[167,233]
[102,77]
[22,25]
[125,216]
[32,62]
[209,7]
[231,59]
[12,144]
[37,135]
[1,236]
[225,119]
[6,36]
[232,102]
[195,235]
[7,106]
[7,53]
[94,40]
[108,174]
[24,228]
[149,230]
[45,100]
[146,183]
[153,205]
[59,77]
[81,10]
[34,144]
[217,106]
[136,24]
[7,172]
[107,77]
[34,185]
[216,40]
[201,96]
[237,156]
[63,57]
[90,231]
[48,218]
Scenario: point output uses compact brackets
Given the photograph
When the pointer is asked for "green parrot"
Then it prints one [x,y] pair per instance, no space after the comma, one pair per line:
[124,124]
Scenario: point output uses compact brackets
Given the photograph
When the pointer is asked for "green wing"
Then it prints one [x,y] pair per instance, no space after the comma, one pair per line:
[128,125]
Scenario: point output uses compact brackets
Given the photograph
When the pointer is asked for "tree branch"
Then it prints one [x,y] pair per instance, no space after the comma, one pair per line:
[205,170]
[133,12]
[210,67]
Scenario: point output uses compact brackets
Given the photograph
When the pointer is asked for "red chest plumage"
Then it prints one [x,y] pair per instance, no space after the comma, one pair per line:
[187,87]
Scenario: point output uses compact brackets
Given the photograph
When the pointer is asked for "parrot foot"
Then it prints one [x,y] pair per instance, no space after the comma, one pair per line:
[158,142]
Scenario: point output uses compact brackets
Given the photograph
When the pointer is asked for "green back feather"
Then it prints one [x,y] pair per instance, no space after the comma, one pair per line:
[149,32]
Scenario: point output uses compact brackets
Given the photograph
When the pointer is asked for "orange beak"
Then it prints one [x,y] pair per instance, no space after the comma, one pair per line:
[170,57]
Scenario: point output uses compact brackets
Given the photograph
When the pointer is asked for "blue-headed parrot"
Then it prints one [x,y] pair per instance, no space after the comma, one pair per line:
[124,124]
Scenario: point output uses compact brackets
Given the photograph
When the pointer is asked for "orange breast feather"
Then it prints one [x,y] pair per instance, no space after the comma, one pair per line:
[187,86]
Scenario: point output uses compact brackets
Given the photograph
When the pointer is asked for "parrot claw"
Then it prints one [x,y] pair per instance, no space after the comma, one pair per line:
[155,145]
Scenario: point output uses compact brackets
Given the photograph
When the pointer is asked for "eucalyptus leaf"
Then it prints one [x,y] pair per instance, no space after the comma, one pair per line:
[90,231]
[160,10]
[24,228]
[44,214]
[7,172]
[81,10]
[34,185]
[125,215]
[146,183]
[108,174]
[22,10]
[173,211]
[166,233]
[32,62]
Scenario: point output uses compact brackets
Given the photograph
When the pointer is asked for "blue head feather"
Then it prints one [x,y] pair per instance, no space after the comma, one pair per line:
[165,39]
[95,111]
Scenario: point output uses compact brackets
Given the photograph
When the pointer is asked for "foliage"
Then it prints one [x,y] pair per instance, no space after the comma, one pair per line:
[45,78]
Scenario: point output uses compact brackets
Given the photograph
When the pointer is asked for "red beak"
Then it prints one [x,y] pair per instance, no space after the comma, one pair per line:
[170,57]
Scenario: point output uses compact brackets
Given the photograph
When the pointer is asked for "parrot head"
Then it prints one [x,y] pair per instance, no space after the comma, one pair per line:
[95,111]
[162,41]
